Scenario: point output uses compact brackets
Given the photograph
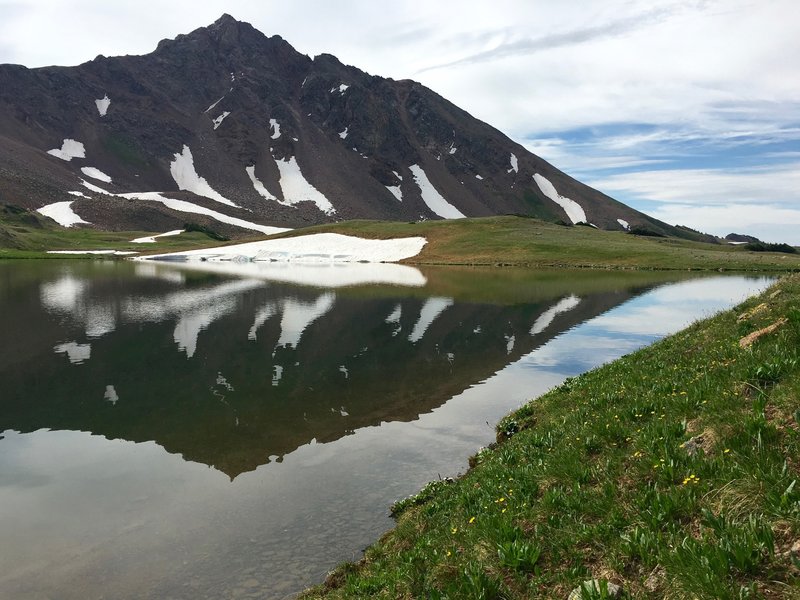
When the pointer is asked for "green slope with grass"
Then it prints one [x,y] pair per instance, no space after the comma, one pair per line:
[522,241]
[672,471]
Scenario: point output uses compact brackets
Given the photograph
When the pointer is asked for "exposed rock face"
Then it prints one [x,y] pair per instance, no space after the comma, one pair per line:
[243,125]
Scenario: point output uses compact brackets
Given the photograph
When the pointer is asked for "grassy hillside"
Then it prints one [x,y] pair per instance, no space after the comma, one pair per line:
[672,472]
[522,241]
[482,241]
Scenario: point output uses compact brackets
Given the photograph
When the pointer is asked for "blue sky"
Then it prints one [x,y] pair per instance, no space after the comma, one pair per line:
[686,109]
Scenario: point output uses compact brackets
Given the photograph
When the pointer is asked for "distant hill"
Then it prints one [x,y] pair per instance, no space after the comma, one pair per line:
[240,132]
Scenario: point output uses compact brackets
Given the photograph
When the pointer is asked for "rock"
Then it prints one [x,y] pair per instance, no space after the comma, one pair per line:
[749,339]
[694,445]
[593,585]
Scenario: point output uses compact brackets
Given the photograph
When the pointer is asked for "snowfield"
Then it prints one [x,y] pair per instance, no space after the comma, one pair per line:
[152,238]
[276,129]
[218,121]
[61,213]
[185,175]
[103,104]
[432,197]
[69,149]
[314,248]
[573,209]
[296,187]
[258,185]
[624,223]
[514,164]
[96,174]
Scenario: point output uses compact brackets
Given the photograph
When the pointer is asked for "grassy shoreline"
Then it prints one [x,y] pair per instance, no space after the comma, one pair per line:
[672,472]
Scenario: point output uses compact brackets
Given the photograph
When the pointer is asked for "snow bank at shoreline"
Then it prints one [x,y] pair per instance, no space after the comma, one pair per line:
[314,248]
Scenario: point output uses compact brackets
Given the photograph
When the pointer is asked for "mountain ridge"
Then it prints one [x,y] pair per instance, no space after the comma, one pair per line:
[240,132]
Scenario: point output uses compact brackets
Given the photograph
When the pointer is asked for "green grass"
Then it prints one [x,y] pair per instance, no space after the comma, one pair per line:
[482,241]
[530,242]
[595,480]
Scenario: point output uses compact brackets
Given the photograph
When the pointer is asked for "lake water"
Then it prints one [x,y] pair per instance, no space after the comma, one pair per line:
[173,433]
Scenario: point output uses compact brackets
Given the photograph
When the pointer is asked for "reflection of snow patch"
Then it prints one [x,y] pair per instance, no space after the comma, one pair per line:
[152,238]
[111,395]
[188,328]
[296,187]
[573,209]
[510,339]
[62,294]
[262,316]
[258,185]
[432,308]
[432,197]
[102,105]
[76,353]
[395,316]
[184,174]
[276,129]
[95,174]
[69,149]
[624,223]
[61,213]
[343,369]
[546,318]
[278,373]
[297,316]
[218,121]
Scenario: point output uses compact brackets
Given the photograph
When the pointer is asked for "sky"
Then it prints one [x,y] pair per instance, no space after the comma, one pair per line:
[688,110]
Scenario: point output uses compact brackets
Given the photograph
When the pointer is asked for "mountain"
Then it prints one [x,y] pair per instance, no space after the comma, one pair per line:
[237,131]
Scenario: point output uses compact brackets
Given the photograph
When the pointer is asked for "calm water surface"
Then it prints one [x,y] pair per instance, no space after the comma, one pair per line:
[169,433]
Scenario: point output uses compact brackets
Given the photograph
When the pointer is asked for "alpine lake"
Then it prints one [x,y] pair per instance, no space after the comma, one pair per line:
[237,431]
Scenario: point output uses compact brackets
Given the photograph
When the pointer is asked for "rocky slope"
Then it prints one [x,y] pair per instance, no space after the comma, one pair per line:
[238,131]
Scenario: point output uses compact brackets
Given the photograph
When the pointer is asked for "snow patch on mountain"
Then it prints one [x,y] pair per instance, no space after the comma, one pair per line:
[258,185]
[479,177]
[341,89]
[218,121]
[276,129]
[152,238]
[434,200]
[573,209]
[78,194]
[210,108]
[69,149]
[102,105]
[624,224]
[396,192]
[296,187]
[95,188]
[61,213]
[514,164]
[343,134]
[96,174]
[185,175]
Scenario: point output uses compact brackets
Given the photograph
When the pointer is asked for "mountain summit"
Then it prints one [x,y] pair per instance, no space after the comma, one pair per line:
[227,127]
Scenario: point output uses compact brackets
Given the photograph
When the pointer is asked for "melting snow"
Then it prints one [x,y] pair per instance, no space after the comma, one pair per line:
[210,108]
[61,213]
[69,149]
[395,190]
[297,189]
[276,129]
[218,121]
[184,174]
[573,209]
[343,134]
[432,308]
[103,104]
[562,306]
[514,164]
[95,174]
[432,197]
[342,88]
[315,248]
[95,188]
[109,252]
[152,238]
[453,148]
[257,185]
[76,353]
[78,194]
[478,177]
[624,223]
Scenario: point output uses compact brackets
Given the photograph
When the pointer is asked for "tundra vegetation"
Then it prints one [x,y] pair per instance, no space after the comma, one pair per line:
[672,472]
